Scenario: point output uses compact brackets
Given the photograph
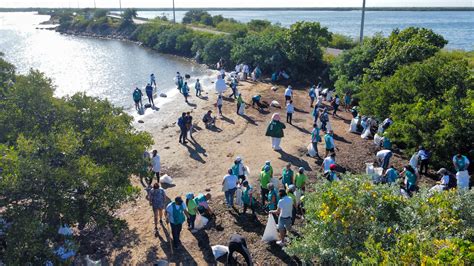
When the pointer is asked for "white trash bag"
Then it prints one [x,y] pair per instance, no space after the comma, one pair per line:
[462,179]
[271,232]
[238,197]
[353,126]
[242,109]
[369,169]
[200,222]
[328,126]
[219,251]
[378,139]
[247,171]
[166,179]
[298,194]
[311,151]
[275,104]
[366,134]
[414,161]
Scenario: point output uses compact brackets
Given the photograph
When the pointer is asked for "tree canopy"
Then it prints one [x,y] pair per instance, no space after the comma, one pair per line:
[64,161]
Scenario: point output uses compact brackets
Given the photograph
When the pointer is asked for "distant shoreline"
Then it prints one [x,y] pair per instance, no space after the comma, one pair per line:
[31,9]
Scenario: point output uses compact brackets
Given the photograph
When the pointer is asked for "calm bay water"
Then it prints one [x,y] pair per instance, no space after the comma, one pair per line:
[104,68]
[456,26]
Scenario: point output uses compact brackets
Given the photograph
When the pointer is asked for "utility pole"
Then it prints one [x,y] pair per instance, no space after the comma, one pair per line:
[120,5]
[95,7]
[174,14]
[362,23]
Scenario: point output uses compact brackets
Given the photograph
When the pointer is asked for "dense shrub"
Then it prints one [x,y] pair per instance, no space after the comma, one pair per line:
[216,49]
[64,161]
[343,215]
[343,42]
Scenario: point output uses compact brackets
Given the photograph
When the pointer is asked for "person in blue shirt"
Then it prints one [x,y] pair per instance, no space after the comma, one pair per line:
[149,93]
[197,86]
[391,175]
[185,91]
[424,157]
[182,127]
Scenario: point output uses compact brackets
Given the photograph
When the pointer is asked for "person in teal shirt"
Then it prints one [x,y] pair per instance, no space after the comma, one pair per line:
[272,197]
[247,197]
[176,215]
[185,91]
[287,176]
[461,162]
[329,143]
[410,179]
[391,175]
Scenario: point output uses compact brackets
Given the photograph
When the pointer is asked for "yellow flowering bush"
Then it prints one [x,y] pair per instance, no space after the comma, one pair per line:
[347,220]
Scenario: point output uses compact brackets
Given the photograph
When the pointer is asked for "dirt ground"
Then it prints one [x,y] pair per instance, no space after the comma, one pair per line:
[200,165]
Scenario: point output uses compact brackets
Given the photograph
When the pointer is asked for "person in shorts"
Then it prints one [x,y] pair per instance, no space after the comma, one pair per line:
[285,212]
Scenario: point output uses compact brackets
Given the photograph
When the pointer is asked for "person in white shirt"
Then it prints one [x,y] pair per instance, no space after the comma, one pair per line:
[290,109]
[331,159]
[288,93]
[383,158]
[335,105]
[444,182]
[156,166]
[285,212]
[229,186]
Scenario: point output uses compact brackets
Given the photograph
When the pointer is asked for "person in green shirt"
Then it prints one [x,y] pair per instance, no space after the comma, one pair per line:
[265,178]
[191,206]
[287,176]
[239,102]
[300,179]
[271,168]
[275,131]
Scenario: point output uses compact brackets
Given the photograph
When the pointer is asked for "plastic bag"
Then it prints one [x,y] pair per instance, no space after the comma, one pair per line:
[366,134]
[463,179]
[219,251]
[247,171]
[166,179]
[298,194]
[275,104]
[311,151]
[328,126]
[378,171]
[369,169]
[271,233]
[414,161]
[378,140]
[353,126]
[242,109]
[238,197]
[200,222]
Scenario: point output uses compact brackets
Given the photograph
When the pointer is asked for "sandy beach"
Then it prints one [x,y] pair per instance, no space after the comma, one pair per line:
[200,165]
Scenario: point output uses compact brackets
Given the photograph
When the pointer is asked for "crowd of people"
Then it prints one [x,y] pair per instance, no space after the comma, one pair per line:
[282,194]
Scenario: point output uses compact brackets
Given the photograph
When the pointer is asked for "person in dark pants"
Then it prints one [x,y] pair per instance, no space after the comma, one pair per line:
[424,159]
[176,215]
[149,94]
[238,244]
[182,127]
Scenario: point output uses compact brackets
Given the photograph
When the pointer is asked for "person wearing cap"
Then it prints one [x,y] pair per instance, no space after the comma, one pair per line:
[275,131]
[291,193]
[208,120]
[287,176]
[203,205]
[265,178]
[300,179]
[239,169]
[288,93]
[176,215]
[391,175]
[444,183]
[327,162]
[271,168]
[229,186]
[191,207]
[240,101]
[247,197]
[332,173]
[329,142]
[284,211]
